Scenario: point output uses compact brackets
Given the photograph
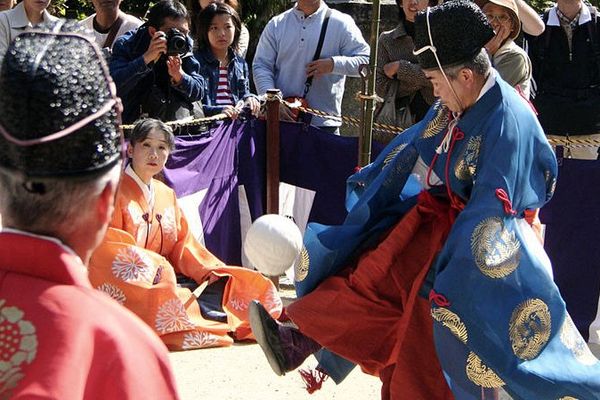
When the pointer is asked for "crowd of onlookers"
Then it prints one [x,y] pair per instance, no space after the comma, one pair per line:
[189,61]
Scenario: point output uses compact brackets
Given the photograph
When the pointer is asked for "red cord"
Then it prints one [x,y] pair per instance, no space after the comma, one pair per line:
[506,203]
[439,299]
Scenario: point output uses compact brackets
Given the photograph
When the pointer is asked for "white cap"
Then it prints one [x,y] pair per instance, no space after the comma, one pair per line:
[272,244]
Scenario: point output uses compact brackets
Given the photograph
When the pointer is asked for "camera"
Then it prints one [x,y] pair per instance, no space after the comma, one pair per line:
[176,43]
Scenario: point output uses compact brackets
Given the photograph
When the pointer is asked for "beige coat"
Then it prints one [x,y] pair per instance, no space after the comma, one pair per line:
[514,66]
[12,23]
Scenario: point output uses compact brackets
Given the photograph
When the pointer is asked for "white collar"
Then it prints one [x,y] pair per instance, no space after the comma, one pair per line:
[18,18]
[147,190]
[584,16]
[489,83]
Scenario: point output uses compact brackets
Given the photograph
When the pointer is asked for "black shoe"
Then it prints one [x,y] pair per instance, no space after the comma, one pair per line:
[266,331]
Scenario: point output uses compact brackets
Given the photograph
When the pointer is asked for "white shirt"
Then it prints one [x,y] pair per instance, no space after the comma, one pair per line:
[14,22]
[129,23]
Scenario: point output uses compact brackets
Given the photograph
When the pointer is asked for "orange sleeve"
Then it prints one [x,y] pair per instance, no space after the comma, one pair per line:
[189,257]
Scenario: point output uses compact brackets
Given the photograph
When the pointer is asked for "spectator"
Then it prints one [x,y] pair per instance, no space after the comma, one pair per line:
[24,16]
[7,4]
[285,52]
[225,72]
[149,231]
[62,339]
[154,68]
[566,69]
[511,61]
[400,81]
[196,6]
[109,22]
[436,229]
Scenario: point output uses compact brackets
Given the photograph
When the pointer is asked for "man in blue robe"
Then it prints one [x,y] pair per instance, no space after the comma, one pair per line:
[441,214]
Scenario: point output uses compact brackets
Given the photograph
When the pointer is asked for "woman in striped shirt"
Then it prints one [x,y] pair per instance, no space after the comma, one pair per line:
[226,74]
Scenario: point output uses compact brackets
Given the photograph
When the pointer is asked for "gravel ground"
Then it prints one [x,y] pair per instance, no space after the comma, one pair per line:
[241,372]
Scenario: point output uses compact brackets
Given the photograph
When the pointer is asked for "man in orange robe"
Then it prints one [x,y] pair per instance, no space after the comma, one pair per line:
[60,162]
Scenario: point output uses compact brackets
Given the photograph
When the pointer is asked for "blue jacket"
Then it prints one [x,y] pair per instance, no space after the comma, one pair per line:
[238,77]
[135,79]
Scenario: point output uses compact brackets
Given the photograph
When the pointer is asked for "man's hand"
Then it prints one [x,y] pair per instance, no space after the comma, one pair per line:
[174,69]
[320,67]
[157,47]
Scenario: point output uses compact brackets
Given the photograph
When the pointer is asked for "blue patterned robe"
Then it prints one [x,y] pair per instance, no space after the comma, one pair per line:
[503,322]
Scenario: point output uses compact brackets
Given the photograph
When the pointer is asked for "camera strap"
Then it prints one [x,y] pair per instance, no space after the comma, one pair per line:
[317,55]
[112,34]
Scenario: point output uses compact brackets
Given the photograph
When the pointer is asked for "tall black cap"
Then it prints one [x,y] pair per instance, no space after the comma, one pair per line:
[60,114]
[459,30]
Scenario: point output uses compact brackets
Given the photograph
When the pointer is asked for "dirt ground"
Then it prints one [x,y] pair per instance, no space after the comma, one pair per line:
[241,372]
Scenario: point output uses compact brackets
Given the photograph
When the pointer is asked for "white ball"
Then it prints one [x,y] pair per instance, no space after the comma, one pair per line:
[272,244]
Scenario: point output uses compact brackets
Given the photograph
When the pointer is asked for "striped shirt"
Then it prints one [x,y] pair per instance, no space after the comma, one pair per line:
[224,97]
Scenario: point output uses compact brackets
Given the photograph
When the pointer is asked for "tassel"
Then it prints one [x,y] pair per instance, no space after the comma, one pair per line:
[313,378]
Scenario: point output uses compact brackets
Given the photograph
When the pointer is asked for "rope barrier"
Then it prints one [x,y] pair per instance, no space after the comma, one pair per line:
[566,141]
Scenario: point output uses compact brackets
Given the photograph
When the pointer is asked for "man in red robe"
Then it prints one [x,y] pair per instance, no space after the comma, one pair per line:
[60,162]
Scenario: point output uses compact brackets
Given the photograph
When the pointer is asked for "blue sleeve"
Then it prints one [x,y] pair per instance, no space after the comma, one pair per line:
[192,83]
[263,65]
[125,68]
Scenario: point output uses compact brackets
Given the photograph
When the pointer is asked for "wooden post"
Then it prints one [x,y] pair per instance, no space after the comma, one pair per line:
[272,186]
[366,134]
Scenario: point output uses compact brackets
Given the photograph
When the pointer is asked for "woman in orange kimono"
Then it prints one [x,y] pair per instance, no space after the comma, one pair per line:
[150,263]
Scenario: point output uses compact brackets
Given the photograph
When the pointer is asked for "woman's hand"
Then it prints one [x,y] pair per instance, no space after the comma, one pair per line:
[230,111]
[174,69]
[391,69]
[254,105]
[498,40]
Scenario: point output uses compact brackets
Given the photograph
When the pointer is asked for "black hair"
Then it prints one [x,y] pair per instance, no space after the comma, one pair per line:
[166,9]
[205,19]
[195,9]
[144,126]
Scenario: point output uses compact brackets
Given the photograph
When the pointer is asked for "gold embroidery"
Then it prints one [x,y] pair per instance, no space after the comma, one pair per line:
[393,154]
[451,321]
[437,123]
[550,184]
[301,270]
[18,341]
[480,374]
[495,249]
[529,328]
[568,398]
[573,341]
[466,167]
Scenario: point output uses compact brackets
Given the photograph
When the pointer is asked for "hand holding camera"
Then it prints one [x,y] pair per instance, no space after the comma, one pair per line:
[157,47]
[171,43]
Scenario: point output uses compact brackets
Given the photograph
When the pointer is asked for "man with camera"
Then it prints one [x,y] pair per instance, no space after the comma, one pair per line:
[154,69]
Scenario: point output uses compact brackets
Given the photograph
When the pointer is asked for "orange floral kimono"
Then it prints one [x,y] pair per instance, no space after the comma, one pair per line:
[147,243]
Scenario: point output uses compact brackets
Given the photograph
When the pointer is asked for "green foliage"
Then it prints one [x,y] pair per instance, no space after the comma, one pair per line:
[79,9]
[256,14]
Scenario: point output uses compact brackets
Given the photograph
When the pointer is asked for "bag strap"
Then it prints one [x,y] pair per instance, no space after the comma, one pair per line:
[112,34]
[317,55]
[593,34]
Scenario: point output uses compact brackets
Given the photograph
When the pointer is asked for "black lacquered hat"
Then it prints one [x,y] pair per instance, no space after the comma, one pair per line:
[59,112]
[456,31]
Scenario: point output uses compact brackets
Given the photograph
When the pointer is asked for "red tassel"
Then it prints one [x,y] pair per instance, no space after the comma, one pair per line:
[313,379]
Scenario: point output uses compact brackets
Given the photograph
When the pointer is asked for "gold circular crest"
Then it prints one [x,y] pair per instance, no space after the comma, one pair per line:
[529,328]
[496,250]
[18,341]
[437,123]
[570,337]
[480,374]
[568,398]
[451,321]
[301,270]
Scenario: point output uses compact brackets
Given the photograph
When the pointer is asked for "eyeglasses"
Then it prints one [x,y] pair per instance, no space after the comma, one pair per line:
[501,18]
